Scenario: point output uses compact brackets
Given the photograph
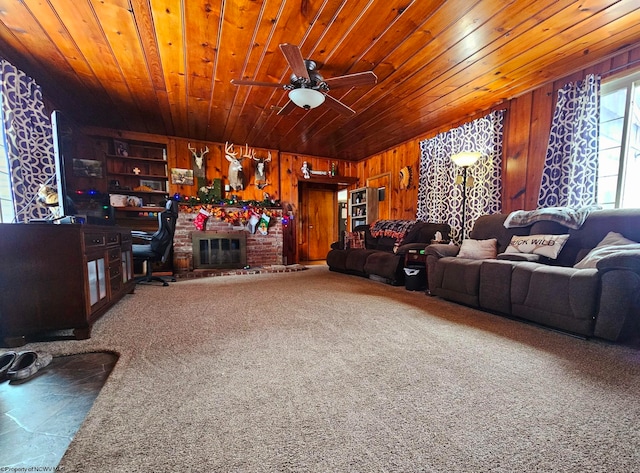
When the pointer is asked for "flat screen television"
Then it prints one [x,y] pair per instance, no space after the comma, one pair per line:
[62,136]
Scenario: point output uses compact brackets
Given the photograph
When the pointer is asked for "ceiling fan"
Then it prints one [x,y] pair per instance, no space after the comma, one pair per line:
[307,88]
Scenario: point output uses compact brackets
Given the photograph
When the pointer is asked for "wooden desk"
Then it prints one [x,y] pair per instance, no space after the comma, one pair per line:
[59,277]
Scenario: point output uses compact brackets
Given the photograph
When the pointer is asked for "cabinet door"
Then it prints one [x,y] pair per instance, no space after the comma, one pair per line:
[127,266]
[97,279]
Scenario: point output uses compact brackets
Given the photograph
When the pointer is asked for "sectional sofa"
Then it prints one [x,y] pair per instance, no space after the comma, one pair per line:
[381,257]
[594,297]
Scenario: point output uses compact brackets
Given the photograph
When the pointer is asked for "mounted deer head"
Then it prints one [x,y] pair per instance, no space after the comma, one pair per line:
[261,174]
[198,157]
[236,173]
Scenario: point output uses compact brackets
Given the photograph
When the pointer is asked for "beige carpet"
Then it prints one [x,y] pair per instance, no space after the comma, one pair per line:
[323,372]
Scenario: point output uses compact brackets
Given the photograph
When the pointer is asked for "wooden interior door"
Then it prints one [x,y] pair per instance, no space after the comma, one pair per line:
[382,181]
[318,222]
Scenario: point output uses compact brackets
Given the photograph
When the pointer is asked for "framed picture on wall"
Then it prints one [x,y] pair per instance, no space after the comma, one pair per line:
[155,185]
[87,168]
[121,148]
[182,176]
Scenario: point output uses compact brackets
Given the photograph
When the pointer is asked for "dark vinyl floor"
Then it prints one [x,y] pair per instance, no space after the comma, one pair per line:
[40,415]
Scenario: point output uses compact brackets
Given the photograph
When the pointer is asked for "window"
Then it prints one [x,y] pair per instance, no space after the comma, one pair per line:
[619,149]
[7,214]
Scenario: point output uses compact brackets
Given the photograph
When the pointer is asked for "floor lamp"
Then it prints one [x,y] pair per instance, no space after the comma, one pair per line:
[464,160]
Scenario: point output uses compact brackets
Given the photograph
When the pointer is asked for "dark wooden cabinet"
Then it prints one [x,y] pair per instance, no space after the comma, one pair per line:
[60,277]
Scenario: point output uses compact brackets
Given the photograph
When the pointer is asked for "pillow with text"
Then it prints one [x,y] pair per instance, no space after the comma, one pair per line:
[544,245]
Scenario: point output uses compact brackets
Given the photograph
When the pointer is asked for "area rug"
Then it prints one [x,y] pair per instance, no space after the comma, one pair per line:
[316,371]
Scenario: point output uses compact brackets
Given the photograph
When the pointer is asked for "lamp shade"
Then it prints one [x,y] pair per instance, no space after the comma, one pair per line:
[306,98]
[466,158]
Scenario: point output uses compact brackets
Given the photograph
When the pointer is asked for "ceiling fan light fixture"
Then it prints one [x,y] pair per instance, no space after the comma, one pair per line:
[306,98]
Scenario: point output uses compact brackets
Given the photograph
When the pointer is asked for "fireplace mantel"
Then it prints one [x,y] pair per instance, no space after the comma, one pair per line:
[262,250]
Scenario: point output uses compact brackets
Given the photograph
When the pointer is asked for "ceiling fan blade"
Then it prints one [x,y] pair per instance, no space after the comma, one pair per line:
[352,80]
[294,57]
[255,82]
[287,109]
[338,106]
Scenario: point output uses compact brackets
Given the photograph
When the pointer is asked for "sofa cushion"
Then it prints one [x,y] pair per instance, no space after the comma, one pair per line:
[545,245]
[619,305]
[491,226]
[565,298]
[424,232]
[370,242]
[456,279]
[337,259]
[520,257]
[353,240]
[386,244]
[494,292]
[610,244]
[386,265]
[595,228]
[478,249]
[356,259]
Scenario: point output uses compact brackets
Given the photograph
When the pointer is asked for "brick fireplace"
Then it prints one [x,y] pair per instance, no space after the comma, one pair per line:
[261,250]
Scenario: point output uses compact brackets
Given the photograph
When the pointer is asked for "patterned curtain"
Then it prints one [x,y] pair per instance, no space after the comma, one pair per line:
[570,171]
[28,138]
[439,197]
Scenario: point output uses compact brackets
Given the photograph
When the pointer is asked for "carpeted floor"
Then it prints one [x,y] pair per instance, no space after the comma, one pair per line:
[315,371]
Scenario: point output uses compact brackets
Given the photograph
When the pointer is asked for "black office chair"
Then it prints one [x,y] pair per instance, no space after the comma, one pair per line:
[160,244]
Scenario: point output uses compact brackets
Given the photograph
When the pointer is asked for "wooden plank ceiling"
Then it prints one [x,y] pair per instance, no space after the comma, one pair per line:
[165,66]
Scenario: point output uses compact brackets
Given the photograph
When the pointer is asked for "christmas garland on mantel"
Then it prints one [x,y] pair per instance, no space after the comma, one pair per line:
[234,212]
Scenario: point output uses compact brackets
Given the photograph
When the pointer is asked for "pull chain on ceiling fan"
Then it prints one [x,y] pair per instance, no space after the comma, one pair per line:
[307,88]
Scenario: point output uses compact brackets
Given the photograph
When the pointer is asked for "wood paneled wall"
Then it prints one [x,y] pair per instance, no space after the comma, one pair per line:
[527,125]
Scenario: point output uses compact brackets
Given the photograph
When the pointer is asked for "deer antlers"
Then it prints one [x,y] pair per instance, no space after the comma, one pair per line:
[249,153]
[195,151]
[229,152]
[199,157]
[262,160]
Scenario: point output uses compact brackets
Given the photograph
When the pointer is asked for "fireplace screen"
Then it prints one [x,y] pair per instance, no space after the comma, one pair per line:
[219,250]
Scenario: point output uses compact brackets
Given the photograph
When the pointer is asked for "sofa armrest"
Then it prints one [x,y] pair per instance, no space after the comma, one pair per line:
[440,250]
[336,245]
[623,259]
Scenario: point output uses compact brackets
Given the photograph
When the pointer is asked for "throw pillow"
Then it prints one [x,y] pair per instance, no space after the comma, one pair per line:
[353,240]
[478,249]
[544,245]
[611,243]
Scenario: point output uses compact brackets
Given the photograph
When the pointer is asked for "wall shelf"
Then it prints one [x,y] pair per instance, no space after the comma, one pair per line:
[363,206]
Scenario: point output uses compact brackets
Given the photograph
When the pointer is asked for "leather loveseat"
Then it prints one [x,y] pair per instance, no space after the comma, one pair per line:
[601,301]
[378,260]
